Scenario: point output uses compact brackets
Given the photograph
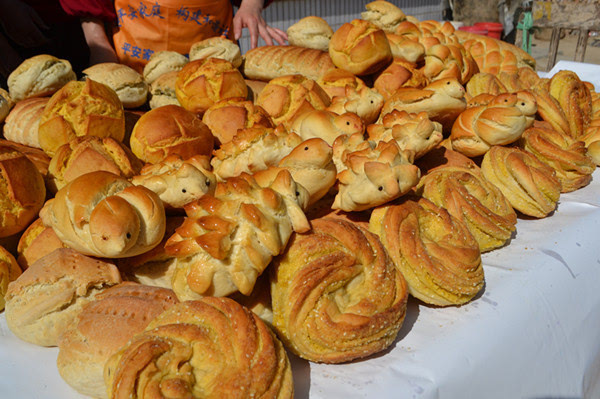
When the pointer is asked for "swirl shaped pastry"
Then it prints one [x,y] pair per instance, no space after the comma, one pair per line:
[436,253]
[550,110]
[469,197]
[372,177]
[567,156]
[501,122]
[102,214]
[530,185]
[178,181]
[253,149]
[336,294]
[415,132]
[212,347]
[229,238]
[575,99]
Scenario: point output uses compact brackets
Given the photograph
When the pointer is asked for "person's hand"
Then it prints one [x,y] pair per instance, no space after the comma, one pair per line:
[22,24]
[97,41]
[249,15]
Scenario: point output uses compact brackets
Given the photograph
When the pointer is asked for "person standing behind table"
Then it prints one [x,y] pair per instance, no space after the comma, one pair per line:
[144,27]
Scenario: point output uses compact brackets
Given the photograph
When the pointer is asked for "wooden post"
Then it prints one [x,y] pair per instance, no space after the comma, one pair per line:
[582,39]
[554,39]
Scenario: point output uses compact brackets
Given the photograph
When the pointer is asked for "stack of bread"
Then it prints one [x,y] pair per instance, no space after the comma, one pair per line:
[310,183]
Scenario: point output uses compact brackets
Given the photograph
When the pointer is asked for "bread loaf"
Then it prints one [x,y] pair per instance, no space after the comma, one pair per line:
[217,47]
[23,122]
[162,62]
[270,62]
[162,90]
[39,76]
[310,32]
[129,84]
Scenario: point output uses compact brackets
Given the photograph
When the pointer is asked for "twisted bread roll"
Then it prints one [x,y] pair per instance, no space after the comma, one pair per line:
[327,125]
[469,197]
[178,181]
[483,82]
[45,300]
[530,185]
[405,48]
[575,99]
[102,327]
[212,348]
[565,155]
[23,122]
[226,117]
[360,47]
[102,214]
[414,132]
[443,100]
[375,176]
[310,164]
[550,111]
[337,296]
[229,238]
[399,74]
[501,122]
[449,60]
[435,252]
[289,96]
[253,149]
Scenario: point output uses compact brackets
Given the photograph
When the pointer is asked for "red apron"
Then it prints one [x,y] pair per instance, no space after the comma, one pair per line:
[145,27]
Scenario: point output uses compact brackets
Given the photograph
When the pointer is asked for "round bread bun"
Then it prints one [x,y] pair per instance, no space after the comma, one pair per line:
[203,82]
[81,109]
[360,47]
[22,191]
[162,90]
[22,123]
[383,14]
[312,32]
[169,130]
[163,62]
[129,85]
[217,47]
[38,76]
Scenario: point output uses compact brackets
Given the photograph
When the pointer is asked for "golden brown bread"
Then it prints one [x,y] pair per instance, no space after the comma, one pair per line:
[129,84]
[414,132]
[35,242]
[550,110]
[337,296]
[6,104]
[374,176]
[383,14]
[287,97]
[435,252]
[102,214]
[89,154]
[336,80]
[23,121]
[500,122]
[178,181]
[365,102]
[39,76]
[449,60]
[35,155]
[574,98]
[360,47]
[443,100]
[221,350]
[224,118]
[162,90]
[484,82]
[22,191]
[170,130]
[406,49]
[253,149]
[102,327]
[270,62]
[469,197]
[399,74]
[203,82]
[45,300]
[162,62]
[81,109]
[217,47]
[567,156]
[311,32]
[326,125]
[530,185]
[229,238]
[9,271]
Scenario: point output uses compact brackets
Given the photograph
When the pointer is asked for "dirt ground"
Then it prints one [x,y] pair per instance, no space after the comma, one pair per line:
[566,49]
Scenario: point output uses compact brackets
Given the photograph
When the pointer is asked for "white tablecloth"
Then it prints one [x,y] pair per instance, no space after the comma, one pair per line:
[534,332]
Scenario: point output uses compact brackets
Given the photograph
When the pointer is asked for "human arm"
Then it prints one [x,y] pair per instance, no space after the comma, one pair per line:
[249,15]
[95,35]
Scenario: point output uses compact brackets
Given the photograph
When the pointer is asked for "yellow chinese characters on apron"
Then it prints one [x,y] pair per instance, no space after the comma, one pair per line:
[146,27]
